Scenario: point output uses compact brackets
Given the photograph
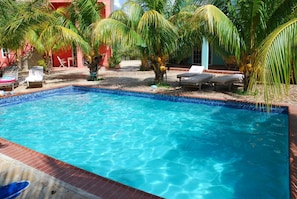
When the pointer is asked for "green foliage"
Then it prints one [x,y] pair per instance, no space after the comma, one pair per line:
[261,35]
[47,29]
[42,62]
[114,61]
[142,25]
[163,85]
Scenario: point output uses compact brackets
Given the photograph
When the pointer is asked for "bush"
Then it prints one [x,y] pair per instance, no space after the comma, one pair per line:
[114,61]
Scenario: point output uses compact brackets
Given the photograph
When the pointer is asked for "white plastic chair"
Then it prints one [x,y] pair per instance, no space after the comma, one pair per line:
[62,62]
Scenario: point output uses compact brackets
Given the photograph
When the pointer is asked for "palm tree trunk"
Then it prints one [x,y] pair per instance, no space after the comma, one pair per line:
[246,81]
[94,67]
[159,76]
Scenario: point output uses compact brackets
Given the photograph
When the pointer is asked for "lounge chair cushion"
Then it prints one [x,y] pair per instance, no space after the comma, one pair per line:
[225,79]
[13,189]
[7,80]
[197,80]
[194,70]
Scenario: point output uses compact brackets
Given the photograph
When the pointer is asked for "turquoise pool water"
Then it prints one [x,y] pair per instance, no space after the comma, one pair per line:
[172,147]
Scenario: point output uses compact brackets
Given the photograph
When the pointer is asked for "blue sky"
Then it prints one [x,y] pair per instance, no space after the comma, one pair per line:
[118,3]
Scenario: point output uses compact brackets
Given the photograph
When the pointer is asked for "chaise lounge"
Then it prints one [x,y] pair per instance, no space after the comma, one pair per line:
[227,80]
[196,80]
[194,70]
[35,78]
[9,77]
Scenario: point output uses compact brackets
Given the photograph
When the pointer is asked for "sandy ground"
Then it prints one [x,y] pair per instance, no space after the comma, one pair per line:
[128,77]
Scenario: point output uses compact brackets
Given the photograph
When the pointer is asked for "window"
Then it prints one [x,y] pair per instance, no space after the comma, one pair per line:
[5,52]
[197,56]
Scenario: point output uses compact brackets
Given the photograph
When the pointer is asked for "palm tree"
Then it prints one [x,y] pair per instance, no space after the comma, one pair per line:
[188,37]
[145,25]
[13,25]
[83,15]
[50,30]
[260,34]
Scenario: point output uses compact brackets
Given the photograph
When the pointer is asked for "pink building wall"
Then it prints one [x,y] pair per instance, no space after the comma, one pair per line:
[8,57]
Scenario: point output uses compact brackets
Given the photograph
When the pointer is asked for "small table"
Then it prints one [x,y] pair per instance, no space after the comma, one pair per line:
[69,60]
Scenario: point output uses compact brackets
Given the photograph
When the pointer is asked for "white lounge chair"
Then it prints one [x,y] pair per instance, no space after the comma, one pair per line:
[227,80]
[35,78]
[9,77]
[197,80]
[62,62]
[194,70]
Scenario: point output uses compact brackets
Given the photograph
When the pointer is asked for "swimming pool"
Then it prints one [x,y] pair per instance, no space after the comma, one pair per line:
[169,146]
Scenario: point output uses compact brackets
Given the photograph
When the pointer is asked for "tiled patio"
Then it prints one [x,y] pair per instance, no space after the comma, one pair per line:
[96,185]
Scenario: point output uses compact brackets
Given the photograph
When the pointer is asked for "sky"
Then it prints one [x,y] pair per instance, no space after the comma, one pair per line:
[118,3]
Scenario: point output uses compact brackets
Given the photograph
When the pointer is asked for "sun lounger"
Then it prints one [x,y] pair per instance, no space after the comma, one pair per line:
[13,189]
[9,77]
[35,78]
[228,80]
[196,80]
[194,70]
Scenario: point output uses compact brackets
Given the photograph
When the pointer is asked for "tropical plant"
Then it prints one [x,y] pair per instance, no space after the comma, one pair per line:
[144,24]
[260,34]
[188,37]
[115,59]
[83,15]
[10,38]
[50,30]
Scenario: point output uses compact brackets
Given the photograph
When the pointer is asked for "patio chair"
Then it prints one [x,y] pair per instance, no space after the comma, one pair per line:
[62,62]
[194,70]
[13,189]
[35,78]
[227,80]
[197,80]
[9,77]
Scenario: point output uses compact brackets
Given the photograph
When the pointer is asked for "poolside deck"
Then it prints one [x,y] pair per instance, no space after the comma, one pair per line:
[54,179]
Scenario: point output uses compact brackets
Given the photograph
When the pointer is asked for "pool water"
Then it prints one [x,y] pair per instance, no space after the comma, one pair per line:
[174,149]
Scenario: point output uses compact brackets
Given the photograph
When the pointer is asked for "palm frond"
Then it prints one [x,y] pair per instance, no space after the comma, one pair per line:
[157,32]
[134,12]
[119,15]
[280,12]
[104,31]
[215,22]
[26,18]
[275,61]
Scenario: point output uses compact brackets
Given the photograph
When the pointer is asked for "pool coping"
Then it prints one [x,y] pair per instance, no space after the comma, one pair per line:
[106,188]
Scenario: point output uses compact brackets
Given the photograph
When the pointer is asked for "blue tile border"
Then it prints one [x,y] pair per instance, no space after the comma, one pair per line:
[69,89]
[32,96]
